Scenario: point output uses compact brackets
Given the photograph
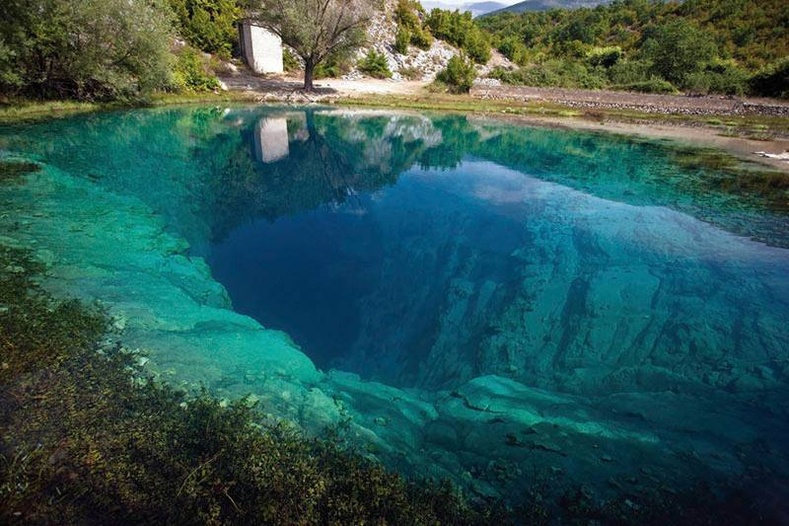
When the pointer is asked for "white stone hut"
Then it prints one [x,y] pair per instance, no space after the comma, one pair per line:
[261,48]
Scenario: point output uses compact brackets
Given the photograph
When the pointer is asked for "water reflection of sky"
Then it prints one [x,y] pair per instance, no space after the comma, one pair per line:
[655,229]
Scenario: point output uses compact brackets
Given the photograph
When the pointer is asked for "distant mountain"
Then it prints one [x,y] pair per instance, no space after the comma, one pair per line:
[476,8]
[545,5]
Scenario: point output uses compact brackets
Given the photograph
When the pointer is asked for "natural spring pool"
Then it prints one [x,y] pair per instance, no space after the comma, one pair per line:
[480,300]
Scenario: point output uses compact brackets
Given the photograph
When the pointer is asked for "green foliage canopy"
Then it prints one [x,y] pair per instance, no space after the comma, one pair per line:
[84,49]
[696,45]
[374,64]
[459,74]
[209,25]
[461,30]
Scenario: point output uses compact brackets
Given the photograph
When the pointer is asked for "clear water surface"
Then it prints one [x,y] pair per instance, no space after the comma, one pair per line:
[456,282]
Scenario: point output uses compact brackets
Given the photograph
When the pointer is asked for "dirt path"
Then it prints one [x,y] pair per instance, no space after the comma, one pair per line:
[288,88]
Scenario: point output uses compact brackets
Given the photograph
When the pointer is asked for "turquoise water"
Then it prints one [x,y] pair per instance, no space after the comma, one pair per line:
[481,300]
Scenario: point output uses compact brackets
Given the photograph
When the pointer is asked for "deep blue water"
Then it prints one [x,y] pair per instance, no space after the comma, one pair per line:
[303,275]
[423,252]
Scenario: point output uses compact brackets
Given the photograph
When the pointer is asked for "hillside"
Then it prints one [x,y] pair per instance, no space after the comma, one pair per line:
[429,49]
[720,46]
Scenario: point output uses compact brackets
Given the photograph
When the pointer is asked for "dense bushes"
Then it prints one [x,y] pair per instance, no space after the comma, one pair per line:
[459,29]
[410,30]
[192,72]
[209,25]
[459,74]
[84,49]
[714,46]
[104,50]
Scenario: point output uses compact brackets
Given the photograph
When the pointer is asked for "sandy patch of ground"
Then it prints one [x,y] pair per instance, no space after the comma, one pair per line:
[289,88]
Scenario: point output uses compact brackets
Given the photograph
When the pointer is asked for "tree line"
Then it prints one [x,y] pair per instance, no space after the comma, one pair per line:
[703,46]
[111,49]
[127,49]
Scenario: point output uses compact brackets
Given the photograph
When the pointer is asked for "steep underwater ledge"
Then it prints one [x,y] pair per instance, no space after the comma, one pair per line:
[490,433]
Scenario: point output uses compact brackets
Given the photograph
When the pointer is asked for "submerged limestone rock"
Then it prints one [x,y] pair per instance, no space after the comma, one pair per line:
[520,324]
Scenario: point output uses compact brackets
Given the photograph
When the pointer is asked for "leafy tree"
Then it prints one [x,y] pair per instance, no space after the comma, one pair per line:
[209,25]
[459,74]
[402,40]
[698,45]
[84,49]
[677,50]
[315,29]
[192,73]
[409,15]
[460,30]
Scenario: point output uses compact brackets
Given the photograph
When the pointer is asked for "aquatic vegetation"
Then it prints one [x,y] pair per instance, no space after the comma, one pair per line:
[11,172]
[721,173]
[85,438]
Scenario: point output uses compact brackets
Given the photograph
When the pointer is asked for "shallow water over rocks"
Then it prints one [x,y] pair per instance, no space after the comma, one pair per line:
[483,301]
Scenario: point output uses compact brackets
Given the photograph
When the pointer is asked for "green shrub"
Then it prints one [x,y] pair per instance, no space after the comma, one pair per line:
[336,65]
[402,40]
[192,72]
[653,85]
[375,65]
[461,30]
[290,62]
[553,73]
[677,49]
[421,38]
[410,30]
[629,72]
[209,25]
[459,74]
[407,14]
[720,76]
[604,56]
[85,50]
[772,81]
[512,48]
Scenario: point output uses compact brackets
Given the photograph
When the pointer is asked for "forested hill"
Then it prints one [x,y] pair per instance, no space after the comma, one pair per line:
[712,45]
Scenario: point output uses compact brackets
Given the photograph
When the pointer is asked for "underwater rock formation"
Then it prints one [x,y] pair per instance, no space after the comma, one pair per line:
[522,317]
